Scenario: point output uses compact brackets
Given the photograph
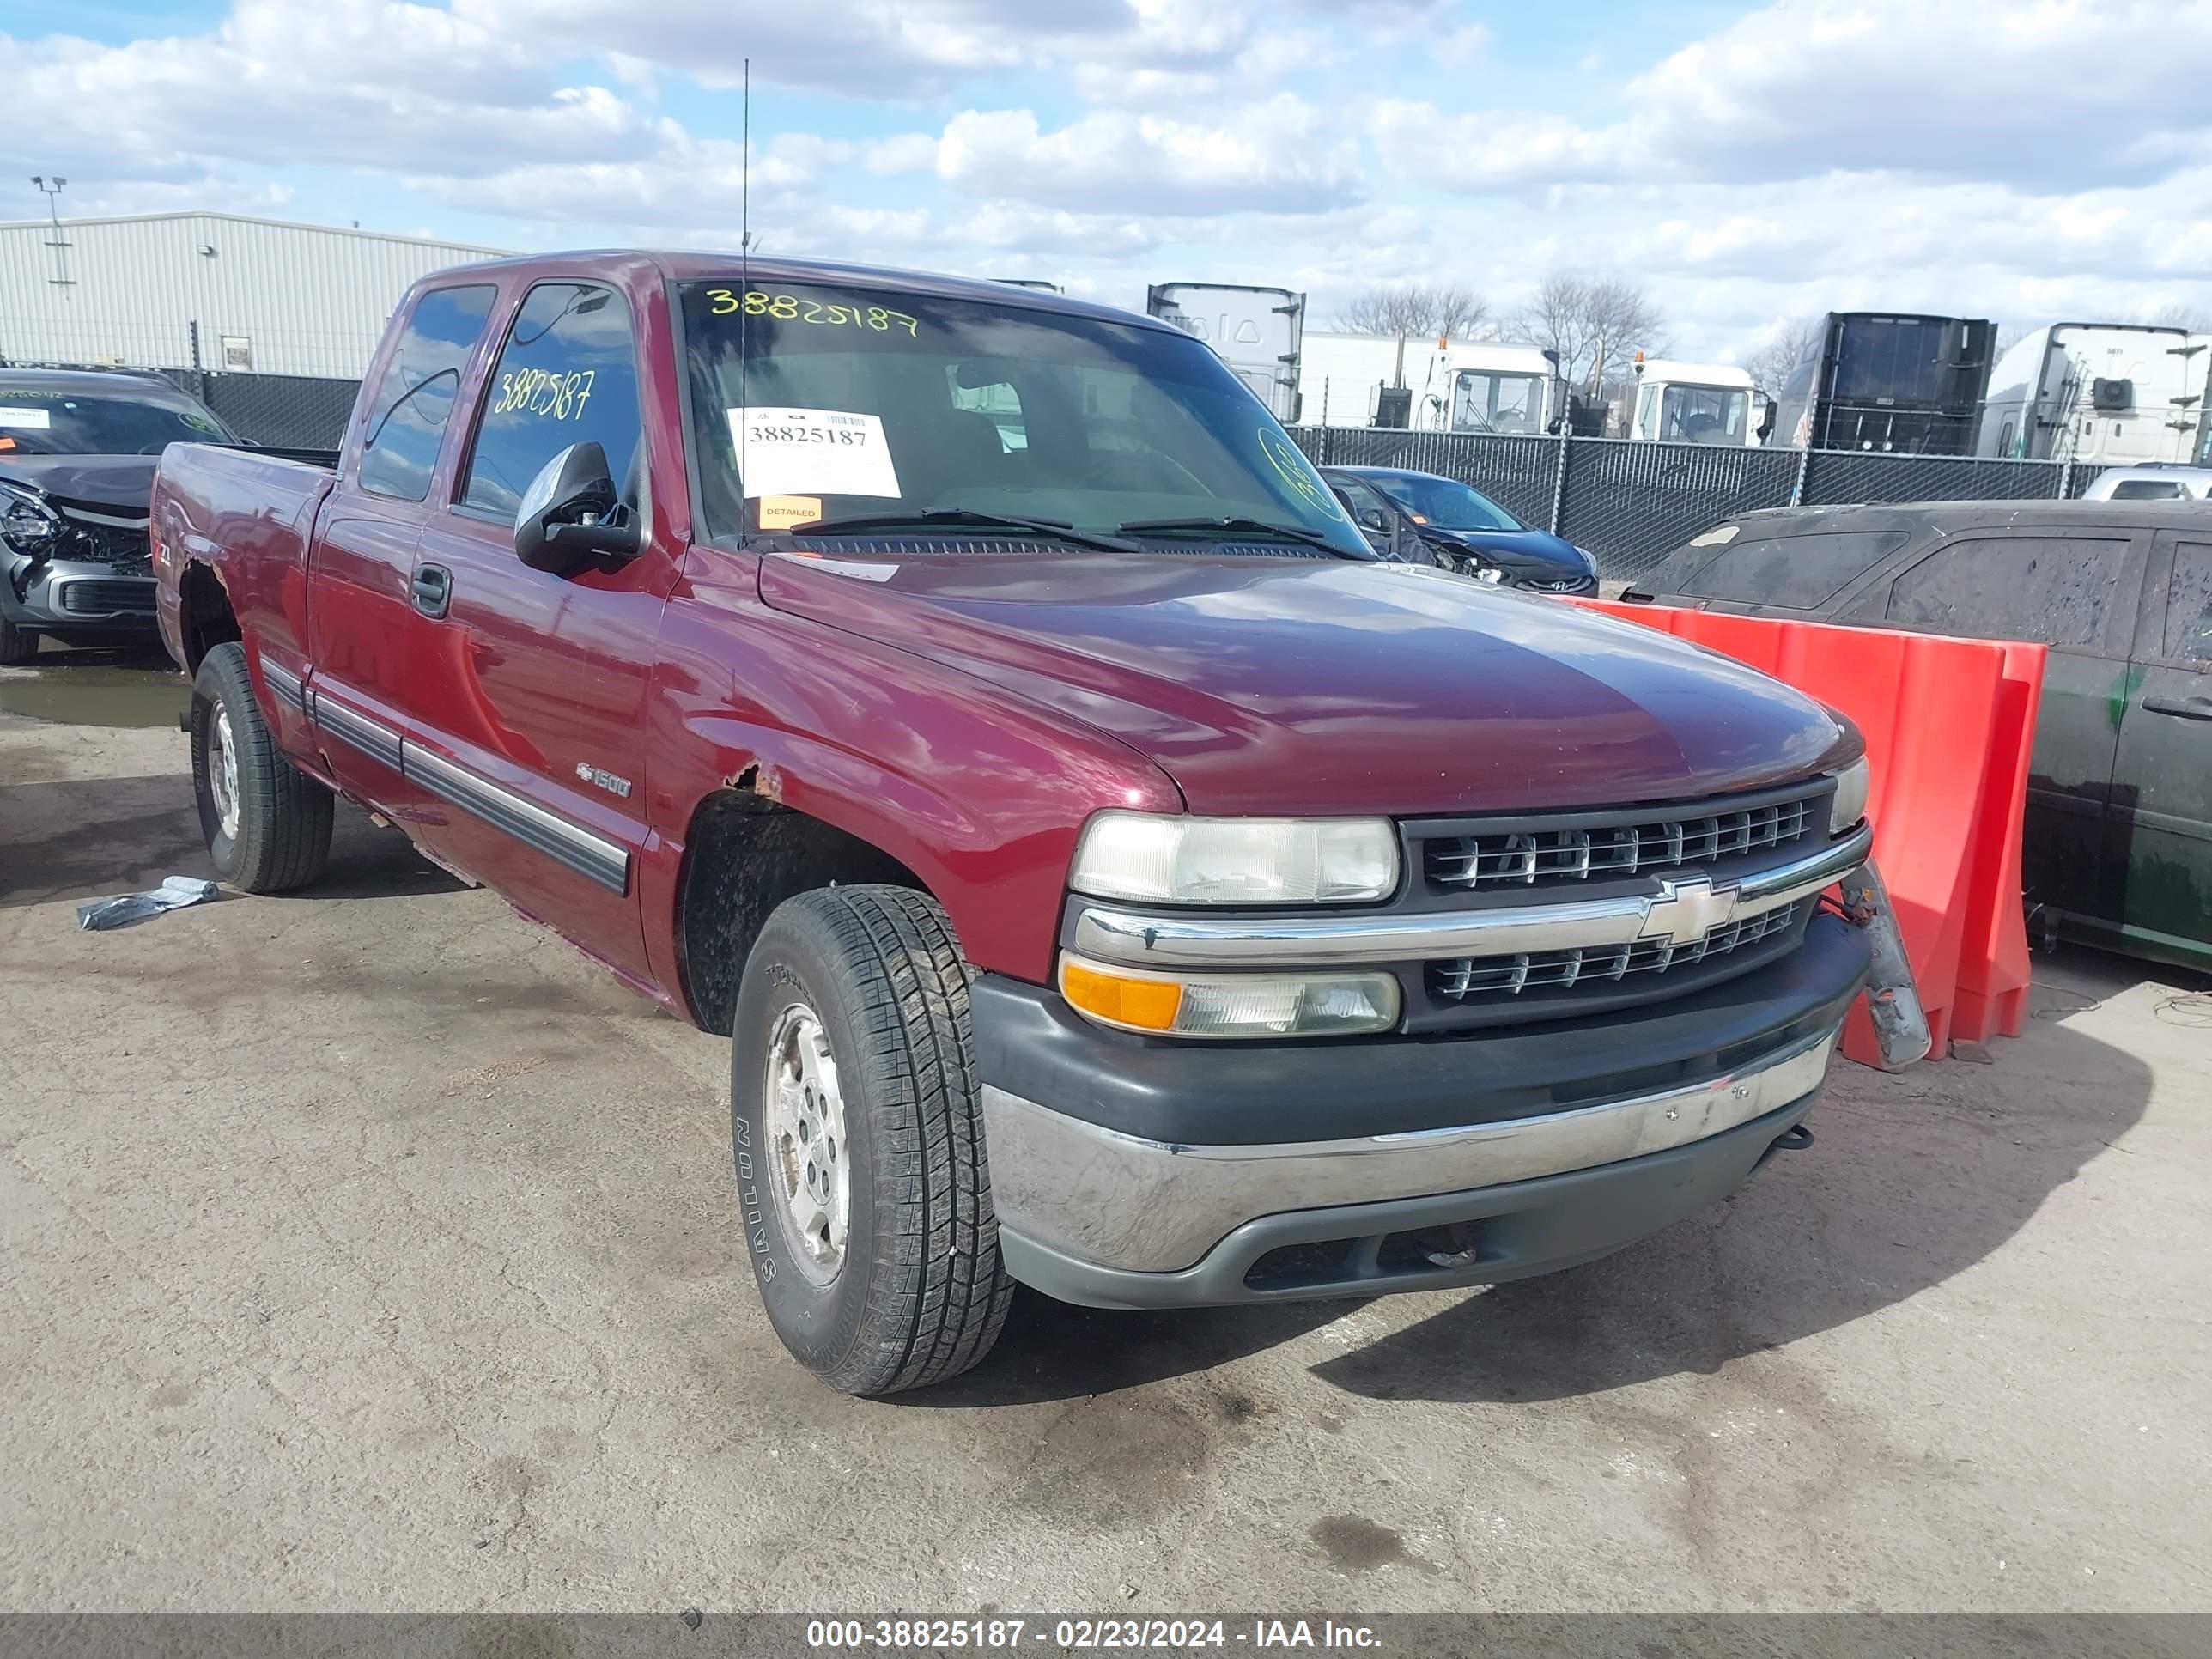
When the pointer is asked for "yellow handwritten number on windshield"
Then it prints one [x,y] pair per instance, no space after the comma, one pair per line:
[790,308]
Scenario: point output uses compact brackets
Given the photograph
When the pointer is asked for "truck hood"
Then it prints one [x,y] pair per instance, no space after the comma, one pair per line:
[1298,685]
[122,485]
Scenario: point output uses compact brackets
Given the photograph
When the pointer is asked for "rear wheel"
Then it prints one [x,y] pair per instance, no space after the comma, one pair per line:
[17,645]
[267,824]
[862,1180]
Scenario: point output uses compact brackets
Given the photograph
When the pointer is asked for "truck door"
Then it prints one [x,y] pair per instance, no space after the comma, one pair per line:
[2161,827]
[2075,592]
[530,721]
[360,615]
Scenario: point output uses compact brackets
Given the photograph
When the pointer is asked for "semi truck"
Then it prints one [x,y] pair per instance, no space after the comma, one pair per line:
[1687,403]
[1888,381]
[1109,875]
[2119,394]
[1257,331]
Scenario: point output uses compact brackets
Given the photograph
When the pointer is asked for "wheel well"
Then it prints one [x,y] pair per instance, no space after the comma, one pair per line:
[205,619]
[745,855]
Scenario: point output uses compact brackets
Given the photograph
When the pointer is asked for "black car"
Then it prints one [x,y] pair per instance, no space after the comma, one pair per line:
[2118,846]
[1442,521]
[77,449]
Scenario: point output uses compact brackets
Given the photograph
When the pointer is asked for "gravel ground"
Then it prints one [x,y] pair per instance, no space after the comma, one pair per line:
[368,1248]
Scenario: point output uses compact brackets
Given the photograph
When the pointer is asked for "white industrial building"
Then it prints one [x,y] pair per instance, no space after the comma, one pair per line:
[209,291]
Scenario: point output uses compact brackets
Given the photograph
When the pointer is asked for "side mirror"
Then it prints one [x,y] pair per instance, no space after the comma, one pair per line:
[1766,421]
[571,511]
[1371,518]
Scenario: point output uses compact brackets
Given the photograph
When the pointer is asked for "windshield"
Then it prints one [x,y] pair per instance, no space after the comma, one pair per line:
[860,403]
[38,421]
[1447,505]
[1485,400]
[1703,415]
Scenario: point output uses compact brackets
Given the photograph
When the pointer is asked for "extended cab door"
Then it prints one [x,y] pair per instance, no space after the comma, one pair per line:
[529,720]
[2161,828]
[360,616]
[2073,589]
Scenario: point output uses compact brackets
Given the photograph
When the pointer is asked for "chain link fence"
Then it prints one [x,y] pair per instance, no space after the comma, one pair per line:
[1632,503]
[287,411]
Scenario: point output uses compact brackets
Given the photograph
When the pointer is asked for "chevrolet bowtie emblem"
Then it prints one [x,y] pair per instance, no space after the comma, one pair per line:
[1687,908]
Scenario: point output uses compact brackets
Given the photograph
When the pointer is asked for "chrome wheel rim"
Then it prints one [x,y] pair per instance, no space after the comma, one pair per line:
[222,774]
[807,1147]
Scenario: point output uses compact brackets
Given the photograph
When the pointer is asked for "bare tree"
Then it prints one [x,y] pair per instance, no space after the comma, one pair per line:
[1403,310]
[1591,321]
[2196,319]
[1786,343]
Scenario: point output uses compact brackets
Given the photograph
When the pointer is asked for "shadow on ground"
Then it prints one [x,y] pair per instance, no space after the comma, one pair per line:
[1911,1182]
[91,837]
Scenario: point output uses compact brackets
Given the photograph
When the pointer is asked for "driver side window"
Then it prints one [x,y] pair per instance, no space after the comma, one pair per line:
[1367,508]
[568,375]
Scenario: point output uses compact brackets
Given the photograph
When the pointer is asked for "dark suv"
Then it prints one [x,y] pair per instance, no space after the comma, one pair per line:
[77,449]
[2119,848]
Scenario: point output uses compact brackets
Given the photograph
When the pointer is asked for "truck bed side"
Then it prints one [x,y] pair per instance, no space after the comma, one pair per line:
[233,530]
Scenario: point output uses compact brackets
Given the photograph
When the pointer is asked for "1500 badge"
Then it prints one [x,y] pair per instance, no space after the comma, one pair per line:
[606,781]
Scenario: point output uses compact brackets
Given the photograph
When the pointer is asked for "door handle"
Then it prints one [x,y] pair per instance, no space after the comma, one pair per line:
[2188,708]
[432,589]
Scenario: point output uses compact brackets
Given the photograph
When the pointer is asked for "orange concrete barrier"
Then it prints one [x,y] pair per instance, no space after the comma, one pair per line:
[1948,725]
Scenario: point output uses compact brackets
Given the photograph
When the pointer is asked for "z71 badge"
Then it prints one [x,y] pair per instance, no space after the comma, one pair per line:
[606,781]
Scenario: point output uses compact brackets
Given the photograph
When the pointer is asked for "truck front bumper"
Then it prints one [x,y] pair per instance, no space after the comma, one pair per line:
[76,600]
[1132,1173]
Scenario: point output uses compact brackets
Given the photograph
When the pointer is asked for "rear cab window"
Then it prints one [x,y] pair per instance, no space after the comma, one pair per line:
[414,399]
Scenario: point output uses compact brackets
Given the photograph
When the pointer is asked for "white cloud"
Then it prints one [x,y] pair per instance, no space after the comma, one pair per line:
[1276,156]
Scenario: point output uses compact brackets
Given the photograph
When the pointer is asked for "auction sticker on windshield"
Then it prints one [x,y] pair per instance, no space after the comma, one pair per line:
[27,420]
[811,452]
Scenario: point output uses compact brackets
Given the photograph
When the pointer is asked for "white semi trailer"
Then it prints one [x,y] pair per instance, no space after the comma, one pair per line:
[2114,393]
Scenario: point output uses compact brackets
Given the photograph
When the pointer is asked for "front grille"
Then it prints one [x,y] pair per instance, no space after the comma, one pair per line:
[1583,847]
[1460,978]
[100,599]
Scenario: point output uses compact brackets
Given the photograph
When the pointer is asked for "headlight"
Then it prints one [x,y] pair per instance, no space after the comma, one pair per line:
[1848,804]
[1230,1004]
[1488,573]
[1188,860]
[26,523]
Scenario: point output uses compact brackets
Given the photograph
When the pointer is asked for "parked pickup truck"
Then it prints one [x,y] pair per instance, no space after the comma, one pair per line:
[1111,876]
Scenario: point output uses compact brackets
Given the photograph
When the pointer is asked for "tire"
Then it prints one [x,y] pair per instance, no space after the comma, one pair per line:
[279,836]
[17,645]
[915,1291]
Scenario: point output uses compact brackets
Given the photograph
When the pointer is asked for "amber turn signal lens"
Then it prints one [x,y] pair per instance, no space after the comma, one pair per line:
[1143,1004]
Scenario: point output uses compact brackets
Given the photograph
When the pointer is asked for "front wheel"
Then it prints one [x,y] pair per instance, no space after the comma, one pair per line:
[267,824]
[862,1179]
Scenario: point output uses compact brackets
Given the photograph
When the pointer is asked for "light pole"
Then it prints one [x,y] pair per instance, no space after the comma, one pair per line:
[52,192]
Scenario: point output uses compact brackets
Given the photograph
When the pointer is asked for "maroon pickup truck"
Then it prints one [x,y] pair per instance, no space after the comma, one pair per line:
[1113,877]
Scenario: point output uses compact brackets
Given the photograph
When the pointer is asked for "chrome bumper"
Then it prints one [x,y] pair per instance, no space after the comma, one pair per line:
[1143,1206]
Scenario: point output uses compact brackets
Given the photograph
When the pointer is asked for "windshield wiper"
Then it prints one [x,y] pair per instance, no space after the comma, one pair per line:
[1057,529]
[1246,527]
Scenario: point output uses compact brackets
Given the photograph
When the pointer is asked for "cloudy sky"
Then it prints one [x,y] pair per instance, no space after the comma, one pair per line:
[2027,160]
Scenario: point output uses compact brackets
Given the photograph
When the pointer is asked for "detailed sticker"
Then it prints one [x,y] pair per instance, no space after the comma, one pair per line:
[790,308]
[811,452]
[1297,472]
[1717,534]
[782,512]
[23,419]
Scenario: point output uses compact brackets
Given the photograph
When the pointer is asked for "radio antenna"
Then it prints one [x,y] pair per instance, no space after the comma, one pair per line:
[744,287]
